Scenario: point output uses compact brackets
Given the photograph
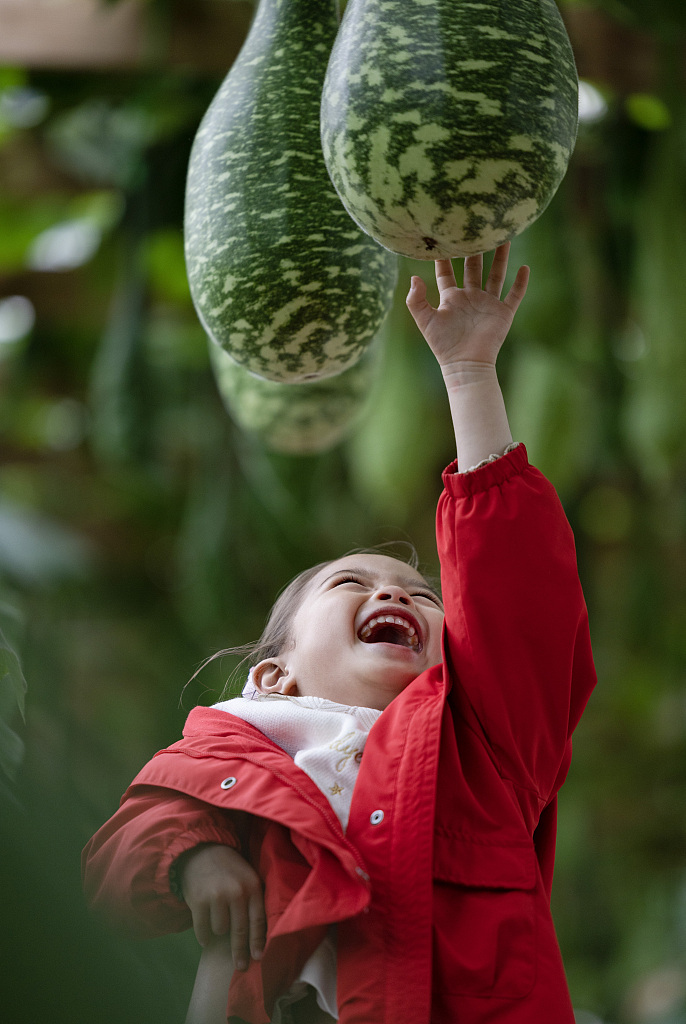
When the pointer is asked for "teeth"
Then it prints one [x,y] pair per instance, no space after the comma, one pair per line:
[393,620]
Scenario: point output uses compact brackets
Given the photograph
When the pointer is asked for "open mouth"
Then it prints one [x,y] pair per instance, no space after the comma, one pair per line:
[391,629]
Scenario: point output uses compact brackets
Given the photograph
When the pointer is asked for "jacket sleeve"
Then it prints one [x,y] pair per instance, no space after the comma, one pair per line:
[125,866]
[516,636]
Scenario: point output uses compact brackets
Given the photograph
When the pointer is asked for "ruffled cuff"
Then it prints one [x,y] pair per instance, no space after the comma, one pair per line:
[493,471]
[492,458]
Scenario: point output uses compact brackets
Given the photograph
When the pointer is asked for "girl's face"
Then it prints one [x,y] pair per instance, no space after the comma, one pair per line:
[366,627]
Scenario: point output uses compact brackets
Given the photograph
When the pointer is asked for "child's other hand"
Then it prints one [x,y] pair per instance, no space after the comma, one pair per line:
[467,329]
[225,894]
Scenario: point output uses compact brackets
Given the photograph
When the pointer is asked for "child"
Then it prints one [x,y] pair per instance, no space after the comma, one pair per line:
[423,895]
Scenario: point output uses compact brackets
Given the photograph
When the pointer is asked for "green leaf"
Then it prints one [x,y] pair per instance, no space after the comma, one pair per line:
[99,142]
[104,208]
[12,698]
[648,111]
[408,416]
[553,409]
[11,750]
[659,16]
[655,419]
[119,396]
[166,267]
[21,222]
[11,674]
[12,78]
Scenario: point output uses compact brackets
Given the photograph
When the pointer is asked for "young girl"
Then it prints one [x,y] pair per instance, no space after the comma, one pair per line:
[368,833]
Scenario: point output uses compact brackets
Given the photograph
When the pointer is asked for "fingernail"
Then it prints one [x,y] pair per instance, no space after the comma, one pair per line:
[257,954]
[241,965]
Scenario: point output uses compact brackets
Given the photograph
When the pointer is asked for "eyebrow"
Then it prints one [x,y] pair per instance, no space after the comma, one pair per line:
[408,582]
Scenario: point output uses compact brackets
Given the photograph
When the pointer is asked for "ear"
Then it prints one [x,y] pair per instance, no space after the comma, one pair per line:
[273,676]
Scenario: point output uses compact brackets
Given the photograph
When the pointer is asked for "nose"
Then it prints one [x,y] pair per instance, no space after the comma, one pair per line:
[393,593]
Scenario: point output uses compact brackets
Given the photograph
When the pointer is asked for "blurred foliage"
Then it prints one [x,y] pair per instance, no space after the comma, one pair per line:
[663,17]
[140,530]
[12,700]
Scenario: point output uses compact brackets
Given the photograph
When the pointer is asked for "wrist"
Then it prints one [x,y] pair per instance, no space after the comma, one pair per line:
[468,372]
[178,867]
[478,413]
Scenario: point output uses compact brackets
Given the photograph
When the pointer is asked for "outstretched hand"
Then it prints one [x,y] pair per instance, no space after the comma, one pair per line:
[470,324]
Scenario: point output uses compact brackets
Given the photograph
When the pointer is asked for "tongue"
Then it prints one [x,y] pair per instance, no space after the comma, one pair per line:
[388,635]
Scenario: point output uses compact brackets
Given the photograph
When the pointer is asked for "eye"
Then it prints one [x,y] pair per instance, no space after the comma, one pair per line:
[348,578]
[430,596]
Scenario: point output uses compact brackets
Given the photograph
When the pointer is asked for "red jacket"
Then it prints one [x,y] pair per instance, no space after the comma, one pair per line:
[443,900]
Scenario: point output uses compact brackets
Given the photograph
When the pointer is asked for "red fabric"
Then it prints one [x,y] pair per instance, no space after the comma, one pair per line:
[443,907]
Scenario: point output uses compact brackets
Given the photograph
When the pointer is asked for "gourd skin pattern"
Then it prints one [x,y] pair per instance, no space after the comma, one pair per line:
[280,276]
[296,419]
[448,125]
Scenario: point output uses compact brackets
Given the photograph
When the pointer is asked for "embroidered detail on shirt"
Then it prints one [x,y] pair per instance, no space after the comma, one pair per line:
[335,790]
[345,747]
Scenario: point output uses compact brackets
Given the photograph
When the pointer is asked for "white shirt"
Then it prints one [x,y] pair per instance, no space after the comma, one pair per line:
[326,740]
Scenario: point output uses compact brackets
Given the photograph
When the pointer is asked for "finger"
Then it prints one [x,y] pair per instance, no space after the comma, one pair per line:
[201,925]
[239,935]
[220,919]
[417,304]
[498,272]
[258,925]
[445,276]
[518,289]
[474,270]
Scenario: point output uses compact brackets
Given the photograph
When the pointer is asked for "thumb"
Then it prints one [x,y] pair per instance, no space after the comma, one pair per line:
[417,304]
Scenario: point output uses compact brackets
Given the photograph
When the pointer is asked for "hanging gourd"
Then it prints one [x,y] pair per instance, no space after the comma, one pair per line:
[296,419]
[447,125]
[280,276]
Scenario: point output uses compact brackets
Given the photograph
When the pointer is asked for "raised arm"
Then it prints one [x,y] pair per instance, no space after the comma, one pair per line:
[516,627]
[465,333]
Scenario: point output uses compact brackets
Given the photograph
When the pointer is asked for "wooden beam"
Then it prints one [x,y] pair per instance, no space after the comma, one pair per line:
[203,35]
[71,33]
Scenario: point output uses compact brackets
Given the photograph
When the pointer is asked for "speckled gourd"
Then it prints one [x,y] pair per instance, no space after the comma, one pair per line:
[296,419]
[448,125]
[280,276]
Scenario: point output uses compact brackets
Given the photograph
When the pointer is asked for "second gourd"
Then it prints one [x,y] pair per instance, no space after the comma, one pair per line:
[281,278]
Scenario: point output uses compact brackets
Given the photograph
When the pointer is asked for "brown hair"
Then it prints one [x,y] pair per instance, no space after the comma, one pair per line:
[276,635]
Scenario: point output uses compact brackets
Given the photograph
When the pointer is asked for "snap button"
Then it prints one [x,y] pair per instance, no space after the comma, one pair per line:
[228,783]
[376,817]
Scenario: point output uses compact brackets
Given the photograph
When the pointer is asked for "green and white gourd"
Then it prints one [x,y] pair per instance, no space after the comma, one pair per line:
[280,276]
[448,125]
[296,419]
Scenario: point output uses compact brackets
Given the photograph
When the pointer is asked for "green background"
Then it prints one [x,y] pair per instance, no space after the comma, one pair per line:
[141,531]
